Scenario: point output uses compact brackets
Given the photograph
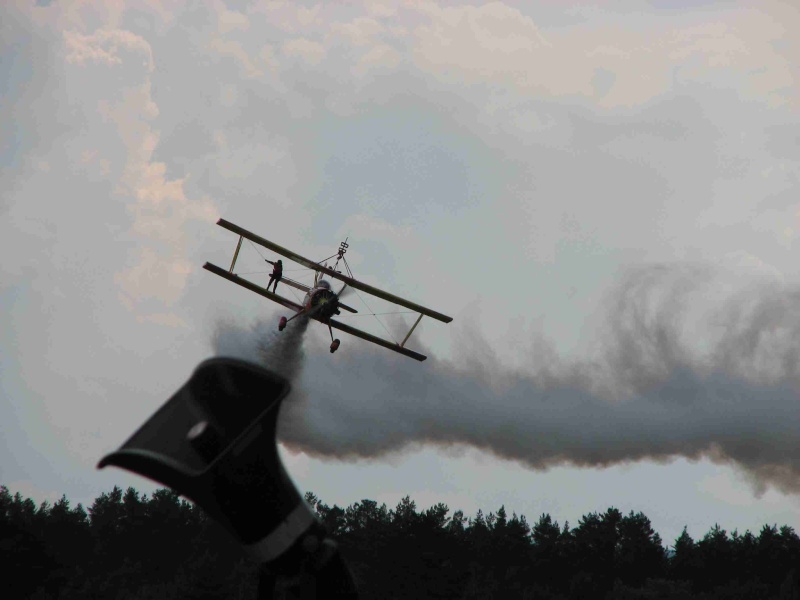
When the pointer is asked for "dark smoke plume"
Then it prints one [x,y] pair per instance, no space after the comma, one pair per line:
[262,343]
[683,367]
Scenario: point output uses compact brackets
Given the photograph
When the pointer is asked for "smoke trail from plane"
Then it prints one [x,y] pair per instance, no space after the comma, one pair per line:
[682,368]
[281,352]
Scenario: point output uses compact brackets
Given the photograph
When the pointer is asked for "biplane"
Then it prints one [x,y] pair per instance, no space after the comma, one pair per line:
[321,303]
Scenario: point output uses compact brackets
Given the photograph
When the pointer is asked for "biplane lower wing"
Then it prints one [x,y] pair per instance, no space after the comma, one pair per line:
[376,340]
[252,287]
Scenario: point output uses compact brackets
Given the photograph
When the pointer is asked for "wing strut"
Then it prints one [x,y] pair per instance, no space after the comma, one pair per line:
[236,254]
[413,327]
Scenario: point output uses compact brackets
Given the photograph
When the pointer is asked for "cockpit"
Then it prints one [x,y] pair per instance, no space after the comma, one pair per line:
[324,283]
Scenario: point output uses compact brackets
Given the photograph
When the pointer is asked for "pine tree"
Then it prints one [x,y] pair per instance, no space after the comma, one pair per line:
[685,562]
[715,552]
[639,554]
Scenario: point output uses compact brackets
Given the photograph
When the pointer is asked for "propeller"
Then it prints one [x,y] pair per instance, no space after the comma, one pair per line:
[344,289]
[342,304]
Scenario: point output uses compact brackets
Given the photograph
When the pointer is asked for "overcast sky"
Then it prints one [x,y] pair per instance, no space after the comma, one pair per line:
[604,197]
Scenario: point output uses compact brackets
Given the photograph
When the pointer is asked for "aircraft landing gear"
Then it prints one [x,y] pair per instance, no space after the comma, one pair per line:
[282,324]
[334,342]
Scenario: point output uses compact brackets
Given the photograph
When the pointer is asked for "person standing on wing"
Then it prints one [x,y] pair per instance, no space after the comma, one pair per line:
[277,273]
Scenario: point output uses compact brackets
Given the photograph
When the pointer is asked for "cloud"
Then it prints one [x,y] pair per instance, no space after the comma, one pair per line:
[361,31]
[230,20]
[232,49]
[311,52]
[734,49]
[159,207]
[99,117]
[104,47]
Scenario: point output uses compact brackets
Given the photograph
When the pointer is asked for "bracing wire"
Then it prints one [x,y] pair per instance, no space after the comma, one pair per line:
[375,315]
[257,250]
[395,312]
[294,293]
[265,272]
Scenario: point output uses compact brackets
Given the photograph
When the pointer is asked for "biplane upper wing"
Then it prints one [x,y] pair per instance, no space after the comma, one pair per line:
[333,274]
[252,287]
[376,340]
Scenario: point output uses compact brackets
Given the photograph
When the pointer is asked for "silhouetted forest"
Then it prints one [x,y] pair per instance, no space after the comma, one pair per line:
[130,546]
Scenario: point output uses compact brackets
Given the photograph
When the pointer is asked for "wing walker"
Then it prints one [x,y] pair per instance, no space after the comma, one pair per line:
[321,303]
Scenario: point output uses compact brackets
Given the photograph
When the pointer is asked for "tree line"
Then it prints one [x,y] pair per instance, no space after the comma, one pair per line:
[130,546]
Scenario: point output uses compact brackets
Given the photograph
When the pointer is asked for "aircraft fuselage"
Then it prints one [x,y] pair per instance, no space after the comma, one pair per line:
[321,303]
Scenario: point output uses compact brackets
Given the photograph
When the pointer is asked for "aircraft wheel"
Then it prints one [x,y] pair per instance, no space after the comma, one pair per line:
[334,346]
[282,324]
